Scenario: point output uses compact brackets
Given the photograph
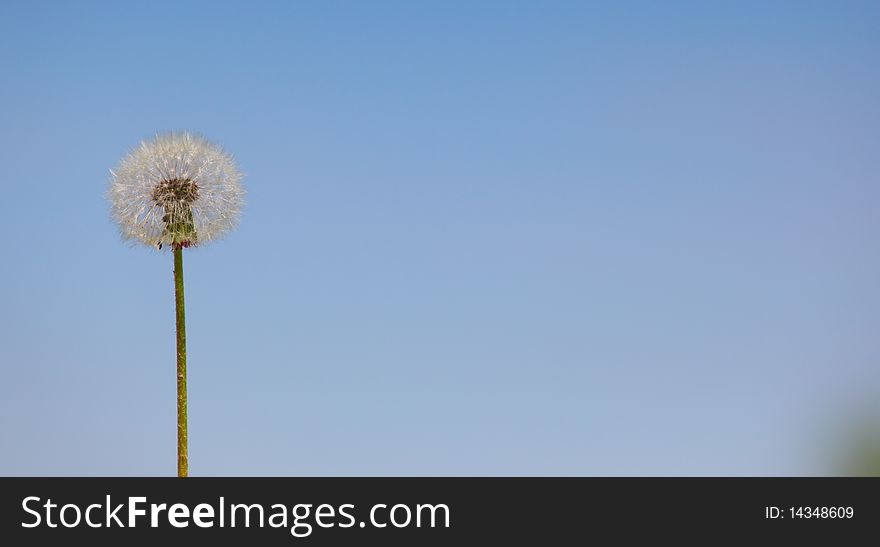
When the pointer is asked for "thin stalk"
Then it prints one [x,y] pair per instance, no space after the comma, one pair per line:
[182,460]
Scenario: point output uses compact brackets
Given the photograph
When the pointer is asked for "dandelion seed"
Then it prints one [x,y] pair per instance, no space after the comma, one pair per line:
[175,190]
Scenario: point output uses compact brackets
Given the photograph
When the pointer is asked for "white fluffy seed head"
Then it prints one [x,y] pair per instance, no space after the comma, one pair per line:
[175,190]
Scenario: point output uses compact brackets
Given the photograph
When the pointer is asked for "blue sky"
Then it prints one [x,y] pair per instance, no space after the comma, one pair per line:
[494,238]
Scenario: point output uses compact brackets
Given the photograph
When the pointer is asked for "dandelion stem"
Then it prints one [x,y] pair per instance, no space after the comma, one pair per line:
[182,460]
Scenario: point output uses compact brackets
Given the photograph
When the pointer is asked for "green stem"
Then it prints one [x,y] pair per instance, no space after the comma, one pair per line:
[182,460]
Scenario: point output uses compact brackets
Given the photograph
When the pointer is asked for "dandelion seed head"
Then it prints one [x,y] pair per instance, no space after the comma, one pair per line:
[177,189]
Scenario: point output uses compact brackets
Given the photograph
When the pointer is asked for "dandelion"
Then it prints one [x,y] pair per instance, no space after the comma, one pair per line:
[174,192]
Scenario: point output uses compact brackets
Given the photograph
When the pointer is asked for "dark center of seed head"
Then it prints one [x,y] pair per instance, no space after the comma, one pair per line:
[176,197]
[177,190]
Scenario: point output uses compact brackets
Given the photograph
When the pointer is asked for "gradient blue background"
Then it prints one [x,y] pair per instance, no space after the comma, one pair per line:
[481,238]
